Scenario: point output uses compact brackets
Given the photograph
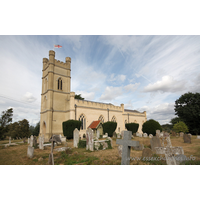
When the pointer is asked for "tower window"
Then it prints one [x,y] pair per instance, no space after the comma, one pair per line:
[59,84]
[83,120]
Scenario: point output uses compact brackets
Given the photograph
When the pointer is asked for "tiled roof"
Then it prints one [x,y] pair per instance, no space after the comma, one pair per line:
[94,124]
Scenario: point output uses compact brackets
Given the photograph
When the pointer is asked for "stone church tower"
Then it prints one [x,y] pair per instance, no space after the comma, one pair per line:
[55,97]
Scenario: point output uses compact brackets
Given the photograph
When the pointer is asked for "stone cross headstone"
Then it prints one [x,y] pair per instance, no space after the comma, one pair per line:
[89,140]
[127,144]
[98,134]
[76,137]
[9,140]
[31,141]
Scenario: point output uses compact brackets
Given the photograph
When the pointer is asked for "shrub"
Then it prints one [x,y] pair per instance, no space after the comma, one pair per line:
[69,126]
[180,127]
[151,126]
[133,127]
[109,127]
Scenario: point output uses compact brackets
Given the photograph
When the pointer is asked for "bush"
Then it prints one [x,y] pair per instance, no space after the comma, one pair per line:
[69,126]
[133,127]
[109,127]
[151,126]
[180,127]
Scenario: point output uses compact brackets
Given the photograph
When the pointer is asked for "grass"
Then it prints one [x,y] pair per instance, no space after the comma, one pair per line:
[17,155]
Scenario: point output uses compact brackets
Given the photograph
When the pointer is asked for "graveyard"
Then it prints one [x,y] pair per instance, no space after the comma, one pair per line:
[16,153]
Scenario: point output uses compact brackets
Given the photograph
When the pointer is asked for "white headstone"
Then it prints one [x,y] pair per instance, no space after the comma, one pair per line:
[98,134]
[158,133]
[140,134]
[76,137]
[150,135]
[89,140]
[31,141]
[145,135]
[9,140]
[137,134]
[198,136]
[28,140]
[30,152]
[41,142]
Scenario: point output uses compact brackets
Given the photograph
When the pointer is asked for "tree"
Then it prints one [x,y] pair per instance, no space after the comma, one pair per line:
[24,128]
[133,127]
[5,120]
[187,107]
[175,120]
[167,127]
[180,127]
[151,126]
[78,96]
[14,130]
[109,127]
[37,129]
[31,129]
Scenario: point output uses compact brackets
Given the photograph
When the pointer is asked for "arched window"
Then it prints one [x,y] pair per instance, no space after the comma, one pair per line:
[83,120]
[59,84]
[101,118]
[113,119]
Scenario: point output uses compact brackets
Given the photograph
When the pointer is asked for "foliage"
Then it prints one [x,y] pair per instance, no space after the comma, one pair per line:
[82,144]
[37,129]
[5,120]
[175,120]
[167,127]
[69,126]
[31,129]
[133,127]
[180,127]
[109,127]
[187,107]
[151,126]
[78,96]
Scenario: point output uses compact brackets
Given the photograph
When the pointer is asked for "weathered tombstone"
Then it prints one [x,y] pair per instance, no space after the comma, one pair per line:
[155,142]
[41,142]
[106,134]
[98,134]
[53,139]
[150,135]
[180,159]
[165,142]
[145,135]
[161,134]
[186,138]
[147,153]
[140,134]
[198,136]
[138,148]
[165,134]
[127,144]
[51,159]
[31,141]
[76,137]
[158,133]
[190,135]
[122,133]
[30,151]
[9,140]
[89,140]
[28,140]
[137,134]
[114,135]
[181,134]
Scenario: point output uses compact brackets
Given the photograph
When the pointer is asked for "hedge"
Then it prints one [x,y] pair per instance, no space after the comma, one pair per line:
[69,126]
[133,127]
[151,126]
[109,127]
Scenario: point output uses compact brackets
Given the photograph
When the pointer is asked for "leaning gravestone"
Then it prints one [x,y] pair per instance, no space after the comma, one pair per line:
[89,140]
[30,151]
[155,142]
[138,148]
[150,135]
[181,134]
[76,137]
[147,153]
[41,142]
[127,143]
[186,138]
[114,135]
[137,134]
[140,134]
[31,141]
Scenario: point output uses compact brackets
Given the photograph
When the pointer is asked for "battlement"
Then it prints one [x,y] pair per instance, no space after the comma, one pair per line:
[61,64]
[68,59]
[97,105]
[45,60]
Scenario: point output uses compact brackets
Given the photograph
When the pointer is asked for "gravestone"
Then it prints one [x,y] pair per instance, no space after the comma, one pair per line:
[76,137]
[28,140]
[98,134]
[150,135]
[31,141]
[51,159]
[118,135]
[34,141]
[41,142]
[190,135]
[198,136]
[53,139]
[138,148]
[140,134]
[120,150]
[181,134]
[89,140]
[165,141]
[114,135]
[155,142]
[180,159]
[122,133]
[158,133]
[137,134]
[147,153]
[165,134]
[186,138]
[30,151]
[145,135]
[127,144]
[9,140]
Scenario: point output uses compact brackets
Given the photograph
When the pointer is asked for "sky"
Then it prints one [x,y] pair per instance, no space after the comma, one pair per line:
[144,72]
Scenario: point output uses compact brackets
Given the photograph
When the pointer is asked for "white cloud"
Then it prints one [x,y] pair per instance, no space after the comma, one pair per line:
[120,77]
[131,87]
[167,84]
[86,95]
[111,93]
[28,97]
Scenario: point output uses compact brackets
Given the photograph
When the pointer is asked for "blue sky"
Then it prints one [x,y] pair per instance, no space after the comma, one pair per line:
[146,73]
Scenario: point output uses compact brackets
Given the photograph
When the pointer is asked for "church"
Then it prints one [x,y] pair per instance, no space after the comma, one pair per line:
[58,103]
